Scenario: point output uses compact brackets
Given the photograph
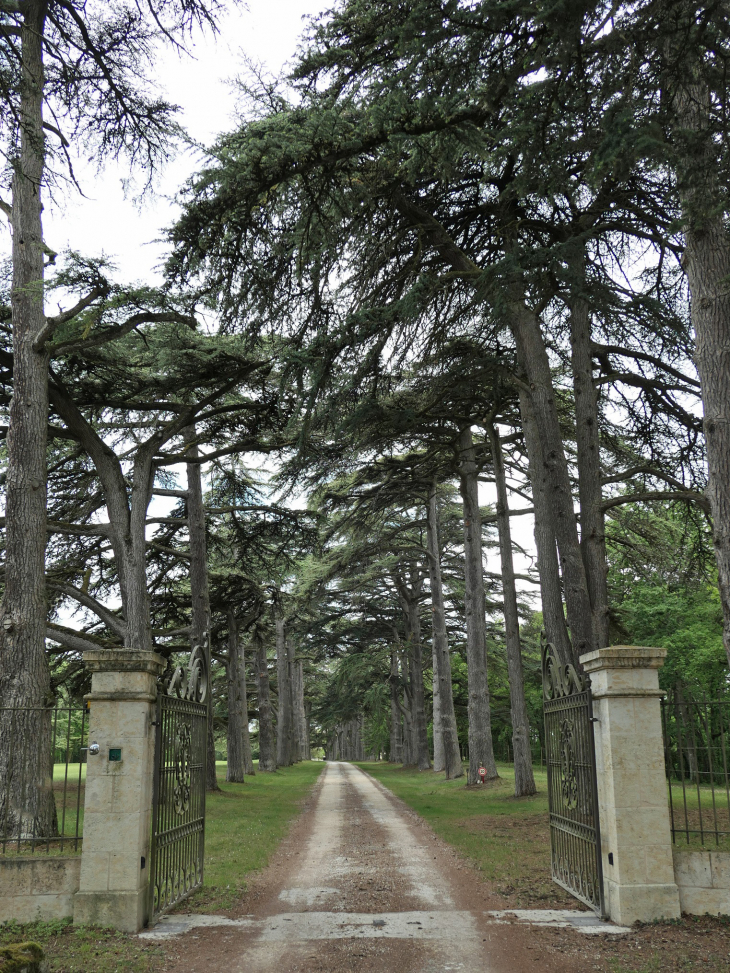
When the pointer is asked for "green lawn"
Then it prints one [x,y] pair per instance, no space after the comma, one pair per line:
[505,838]
[700,810]
[59,772]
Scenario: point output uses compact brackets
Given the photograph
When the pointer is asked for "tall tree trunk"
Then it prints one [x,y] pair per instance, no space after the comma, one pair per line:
[284,711]
[410,758]
[707,265]
[240,761]
[199,591]
[534,363]
[308,734]
[267,746]
[524,779]
[592,520]
[245,733]
[396,721]
[452,755]
[439,755]
[481,749]
[26,797]
[294,739]
[547,553]
[361,738]
[418,693]
[235,771]
[300,711]
[416,750]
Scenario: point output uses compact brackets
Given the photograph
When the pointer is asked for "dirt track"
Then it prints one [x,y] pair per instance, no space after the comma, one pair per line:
[362,884]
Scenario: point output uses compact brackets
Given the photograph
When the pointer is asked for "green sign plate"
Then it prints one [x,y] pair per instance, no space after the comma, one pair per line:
[115,753]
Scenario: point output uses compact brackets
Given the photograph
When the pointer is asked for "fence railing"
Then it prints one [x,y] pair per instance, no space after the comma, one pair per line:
[697,755]
[42,779]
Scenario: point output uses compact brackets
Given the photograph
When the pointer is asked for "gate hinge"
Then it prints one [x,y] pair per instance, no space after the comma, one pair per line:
[594,719]
[155,722]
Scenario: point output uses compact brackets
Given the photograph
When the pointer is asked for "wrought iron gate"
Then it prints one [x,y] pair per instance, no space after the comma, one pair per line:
[178,815]
[575,836]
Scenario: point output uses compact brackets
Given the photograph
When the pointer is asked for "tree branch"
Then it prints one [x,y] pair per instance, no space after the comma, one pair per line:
[72,640]
[116,623]
[51,324]
[603,350]
[118,331]
[691,496]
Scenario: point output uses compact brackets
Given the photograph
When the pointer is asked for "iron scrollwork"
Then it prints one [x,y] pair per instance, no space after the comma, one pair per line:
[178,823]
[183,759]
[568,768]
[575,838]
[558,679]
[191,682]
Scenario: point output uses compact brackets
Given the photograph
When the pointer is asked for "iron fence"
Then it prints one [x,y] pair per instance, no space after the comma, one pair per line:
[42,779]
[697,756]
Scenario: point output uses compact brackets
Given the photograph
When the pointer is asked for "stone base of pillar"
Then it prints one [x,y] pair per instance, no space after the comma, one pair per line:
[125,911]
[627,904]
[636,840]
[115,863]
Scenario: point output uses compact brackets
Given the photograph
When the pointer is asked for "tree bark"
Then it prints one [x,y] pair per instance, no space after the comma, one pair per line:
[524,778]
[294,742]
[300,711]
[418,693]
[481,749]
[284,757]
[439,754]
[592,520]
[706,262]
[452,755]
[267,746]
[410,750]
[416,730]
[199,591]
[240,761]
[547,554]
[396,721]
[534,362]
[245,732]
[235,772]
[26,797]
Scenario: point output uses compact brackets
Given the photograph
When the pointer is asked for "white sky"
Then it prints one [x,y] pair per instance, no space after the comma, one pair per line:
[107,221]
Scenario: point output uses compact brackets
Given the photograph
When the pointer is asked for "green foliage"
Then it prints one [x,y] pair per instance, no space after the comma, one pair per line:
[663,586]
[687,621]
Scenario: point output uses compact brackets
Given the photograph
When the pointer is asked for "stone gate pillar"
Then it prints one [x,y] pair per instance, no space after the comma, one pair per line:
[636,839]
[118,802]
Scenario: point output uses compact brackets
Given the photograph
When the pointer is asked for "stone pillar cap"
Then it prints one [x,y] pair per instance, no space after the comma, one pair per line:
[624,657]
[124,660]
